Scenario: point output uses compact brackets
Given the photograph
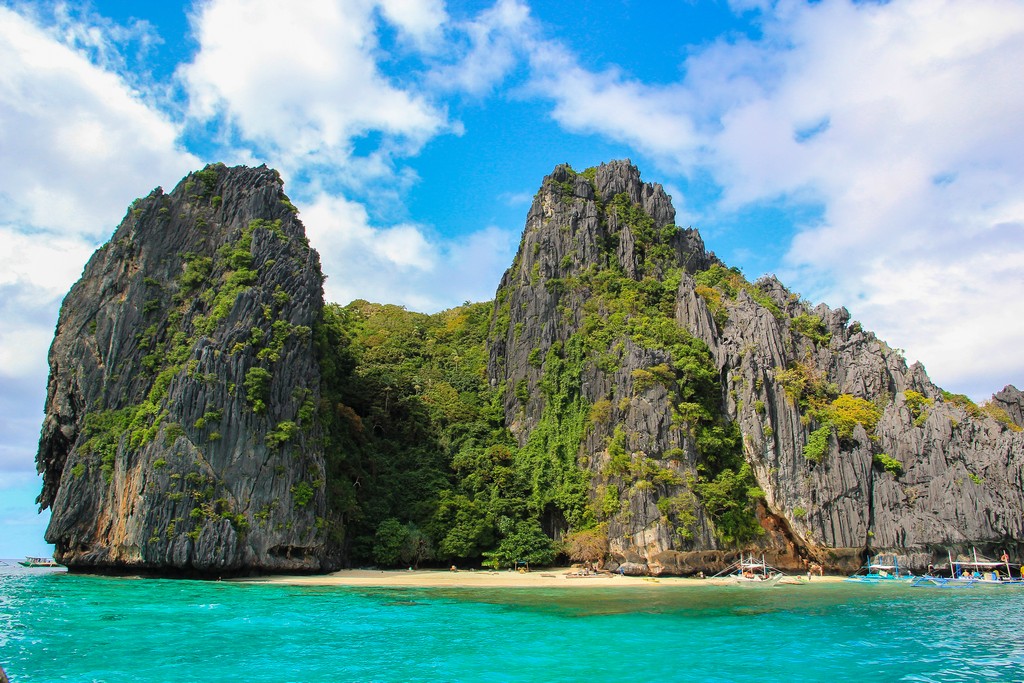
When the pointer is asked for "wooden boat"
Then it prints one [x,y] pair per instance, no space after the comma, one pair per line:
[752,573]
[972,572]
[39,562]
[881,569]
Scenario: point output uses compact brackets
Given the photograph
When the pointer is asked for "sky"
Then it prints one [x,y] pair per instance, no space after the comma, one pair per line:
[869,154]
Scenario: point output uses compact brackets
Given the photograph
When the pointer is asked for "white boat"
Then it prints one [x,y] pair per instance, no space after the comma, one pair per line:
[750,572]
[39,562]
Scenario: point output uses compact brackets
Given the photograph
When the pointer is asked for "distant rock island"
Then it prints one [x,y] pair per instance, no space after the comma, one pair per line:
[627,399]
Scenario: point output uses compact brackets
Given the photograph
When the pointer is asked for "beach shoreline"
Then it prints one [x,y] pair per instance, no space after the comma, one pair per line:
[561,577]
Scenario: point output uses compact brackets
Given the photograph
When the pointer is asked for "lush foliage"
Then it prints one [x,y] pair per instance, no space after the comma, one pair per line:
[824,407]
[415,435]
[889,464]
[812,327]
[413,432]
[718,285]
[918,405]
[817,444]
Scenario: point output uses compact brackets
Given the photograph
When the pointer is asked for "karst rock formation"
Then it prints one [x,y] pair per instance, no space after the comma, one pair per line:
[698,413]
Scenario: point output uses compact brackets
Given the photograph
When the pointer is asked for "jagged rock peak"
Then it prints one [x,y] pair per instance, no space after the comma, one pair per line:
[614,178]
[845,447]
[180,433]
[602,215]
[1011,399]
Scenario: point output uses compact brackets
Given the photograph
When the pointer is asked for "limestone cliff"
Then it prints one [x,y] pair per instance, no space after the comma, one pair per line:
[180,431]
[817,428]
[207,414]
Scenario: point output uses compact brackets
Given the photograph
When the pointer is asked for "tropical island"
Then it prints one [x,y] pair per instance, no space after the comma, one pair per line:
[627,399]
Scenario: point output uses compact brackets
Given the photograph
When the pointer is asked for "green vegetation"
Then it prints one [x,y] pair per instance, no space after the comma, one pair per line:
[846,412]
[1001,416]
[718,285]
[917,404]
[282,433]
[889,464]
[812,327]
[412,430]
[302,493]
[817,444]
[962,401]
[822,405]
[986,410]
[415,436]
[257,388]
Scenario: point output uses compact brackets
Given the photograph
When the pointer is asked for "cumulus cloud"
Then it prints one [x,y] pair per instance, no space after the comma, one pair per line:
[78,143]
[403,264]
[899,120]
[35,272]
[492,45]
[652,119]
[420,21]
[301,82]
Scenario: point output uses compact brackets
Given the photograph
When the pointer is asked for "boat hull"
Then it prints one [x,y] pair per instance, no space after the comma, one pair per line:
[37,563]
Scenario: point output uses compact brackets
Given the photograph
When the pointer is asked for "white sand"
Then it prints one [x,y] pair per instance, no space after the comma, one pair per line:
[542,578]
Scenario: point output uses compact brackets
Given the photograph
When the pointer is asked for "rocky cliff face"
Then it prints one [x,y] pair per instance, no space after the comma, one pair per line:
[816,428]
[655,398]
[180,430]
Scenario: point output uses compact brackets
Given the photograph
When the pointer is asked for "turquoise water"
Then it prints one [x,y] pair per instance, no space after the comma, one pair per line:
[55,626]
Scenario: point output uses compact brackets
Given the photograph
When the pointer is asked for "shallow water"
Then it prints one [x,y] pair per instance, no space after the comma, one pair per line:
[55,626]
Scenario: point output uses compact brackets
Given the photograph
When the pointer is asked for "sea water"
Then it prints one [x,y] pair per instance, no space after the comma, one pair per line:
[55,626]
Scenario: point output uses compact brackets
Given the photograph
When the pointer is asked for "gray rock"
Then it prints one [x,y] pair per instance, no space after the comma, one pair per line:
[961,479]
[179,433]
[1011,400]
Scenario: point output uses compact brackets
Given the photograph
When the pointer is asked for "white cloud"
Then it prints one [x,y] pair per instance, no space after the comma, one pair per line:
[421,21]
[301,81]
[402,264]
[496,39]
[78,144]
[901,120]
[651,118]
[36,270]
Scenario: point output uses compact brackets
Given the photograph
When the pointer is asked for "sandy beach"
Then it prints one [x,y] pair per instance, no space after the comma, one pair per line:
[542,578]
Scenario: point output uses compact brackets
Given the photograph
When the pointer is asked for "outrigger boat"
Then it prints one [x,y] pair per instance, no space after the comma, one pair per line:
[879,570]
[969,573]
[748,571]
[39,562]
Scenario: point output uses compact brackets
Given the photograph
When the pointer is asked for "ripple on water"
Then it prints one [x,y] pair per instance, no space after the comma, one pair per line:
[111,629]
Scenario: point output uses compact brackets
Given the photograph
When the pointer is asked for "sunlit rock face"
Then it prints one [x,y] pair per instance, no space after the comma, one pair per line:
[180,431]
[850,449]
[654,395]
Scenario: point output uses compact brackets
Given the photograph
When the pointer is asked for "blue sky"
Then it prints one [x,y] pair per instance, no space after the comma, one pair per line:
[868,153]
